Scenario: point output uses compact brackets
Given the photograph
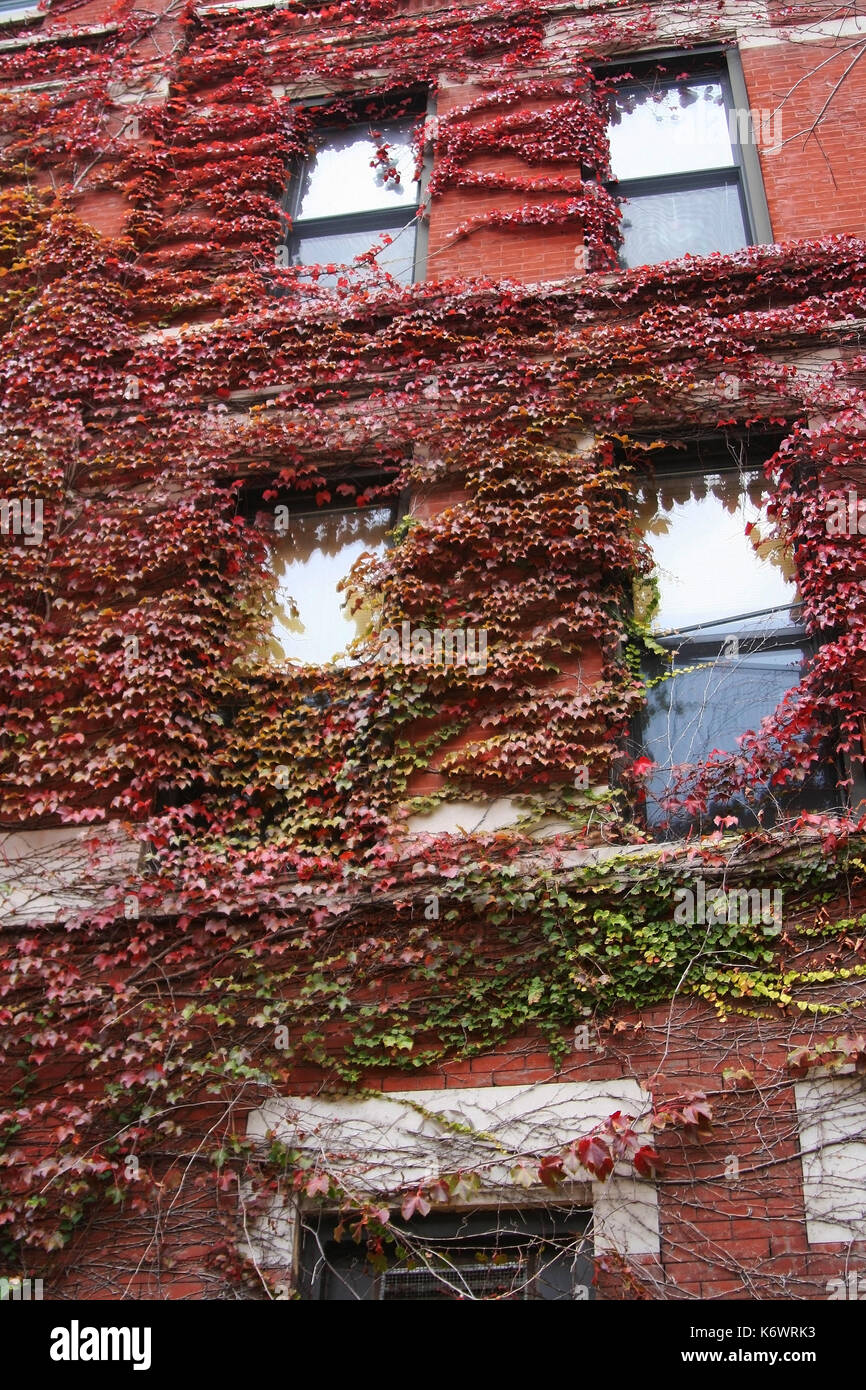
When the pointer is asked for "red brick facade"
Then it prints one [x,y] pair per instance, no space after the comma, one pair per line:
[722,1234]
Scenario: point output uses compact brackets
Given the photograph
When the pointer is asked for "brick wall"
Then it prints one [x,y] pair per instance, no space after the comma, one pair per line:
[731,1206]
[814,185]
[528,254]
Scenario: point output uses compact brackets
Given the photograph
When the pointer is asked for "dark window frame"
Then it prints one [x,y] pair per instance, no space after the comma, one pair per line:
[250,500]
[383,219]
[745,173]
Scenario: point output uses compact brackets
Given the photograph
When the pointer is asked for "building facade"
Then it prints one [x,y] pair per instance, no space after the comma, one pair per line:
[433,658]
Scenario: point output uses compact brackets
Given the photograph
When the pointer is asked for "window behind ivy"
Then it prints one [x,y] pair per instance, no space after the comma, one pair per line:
[312,551]
[503,1255]
[727,627]
[677,159]
[355,189]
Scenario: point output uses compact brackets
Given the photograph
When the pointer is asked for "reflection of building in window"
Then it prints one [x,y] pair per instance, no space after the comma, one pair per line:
[726,615]
[311,621]
[496,1254]
[676,153]
[356,186]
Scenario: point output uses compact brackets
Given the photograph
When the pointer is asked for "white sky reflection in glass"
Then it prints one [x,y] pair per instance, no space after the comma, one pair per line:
[680,131]
[308,564]
[340,178]
[706,566]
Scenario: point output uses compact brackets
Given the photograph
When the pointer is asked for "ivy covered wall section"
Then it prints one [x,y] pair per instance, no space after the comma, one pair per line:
[282,932]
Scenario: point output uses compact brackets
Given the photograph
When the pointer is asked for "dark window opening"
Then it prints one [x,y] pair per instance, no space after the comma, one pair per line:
[189,799]
[504,1255]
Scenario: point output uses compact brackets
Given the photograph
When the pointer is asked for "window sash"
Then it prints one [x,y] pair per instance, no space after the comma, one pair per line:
[730,175]
[678,183]
[748,643]
[306,591]
[353,222]
[523,1237]
[663,85]
[684,220]
[688,736]
[397,217]
[337,228]
[694,603]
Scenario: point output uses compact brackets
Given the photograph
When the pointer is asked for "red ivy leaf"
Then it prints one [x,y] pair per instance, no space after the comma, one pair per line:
[551,1171]
[647,1162]
[595,1157]
[412,1204]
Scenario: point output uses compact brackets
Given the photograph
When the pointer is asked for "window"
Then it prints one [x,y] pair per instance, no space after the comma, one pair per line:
[312,550]
[16,11]
[503,1255]
[355,188]
[683,157]
[726,617]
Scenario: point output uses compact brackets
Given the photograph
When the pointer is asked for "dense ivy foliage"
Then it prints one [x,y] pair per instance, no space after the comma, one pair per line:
[126,670]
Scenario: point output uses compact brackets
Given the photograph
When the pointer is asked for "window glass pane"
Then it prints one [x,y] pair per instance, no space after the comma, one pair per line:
[708,576]
[317,552]
[697,711]
[707,568]
[662,226]
[398,259]
[673,130]
[348,174]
